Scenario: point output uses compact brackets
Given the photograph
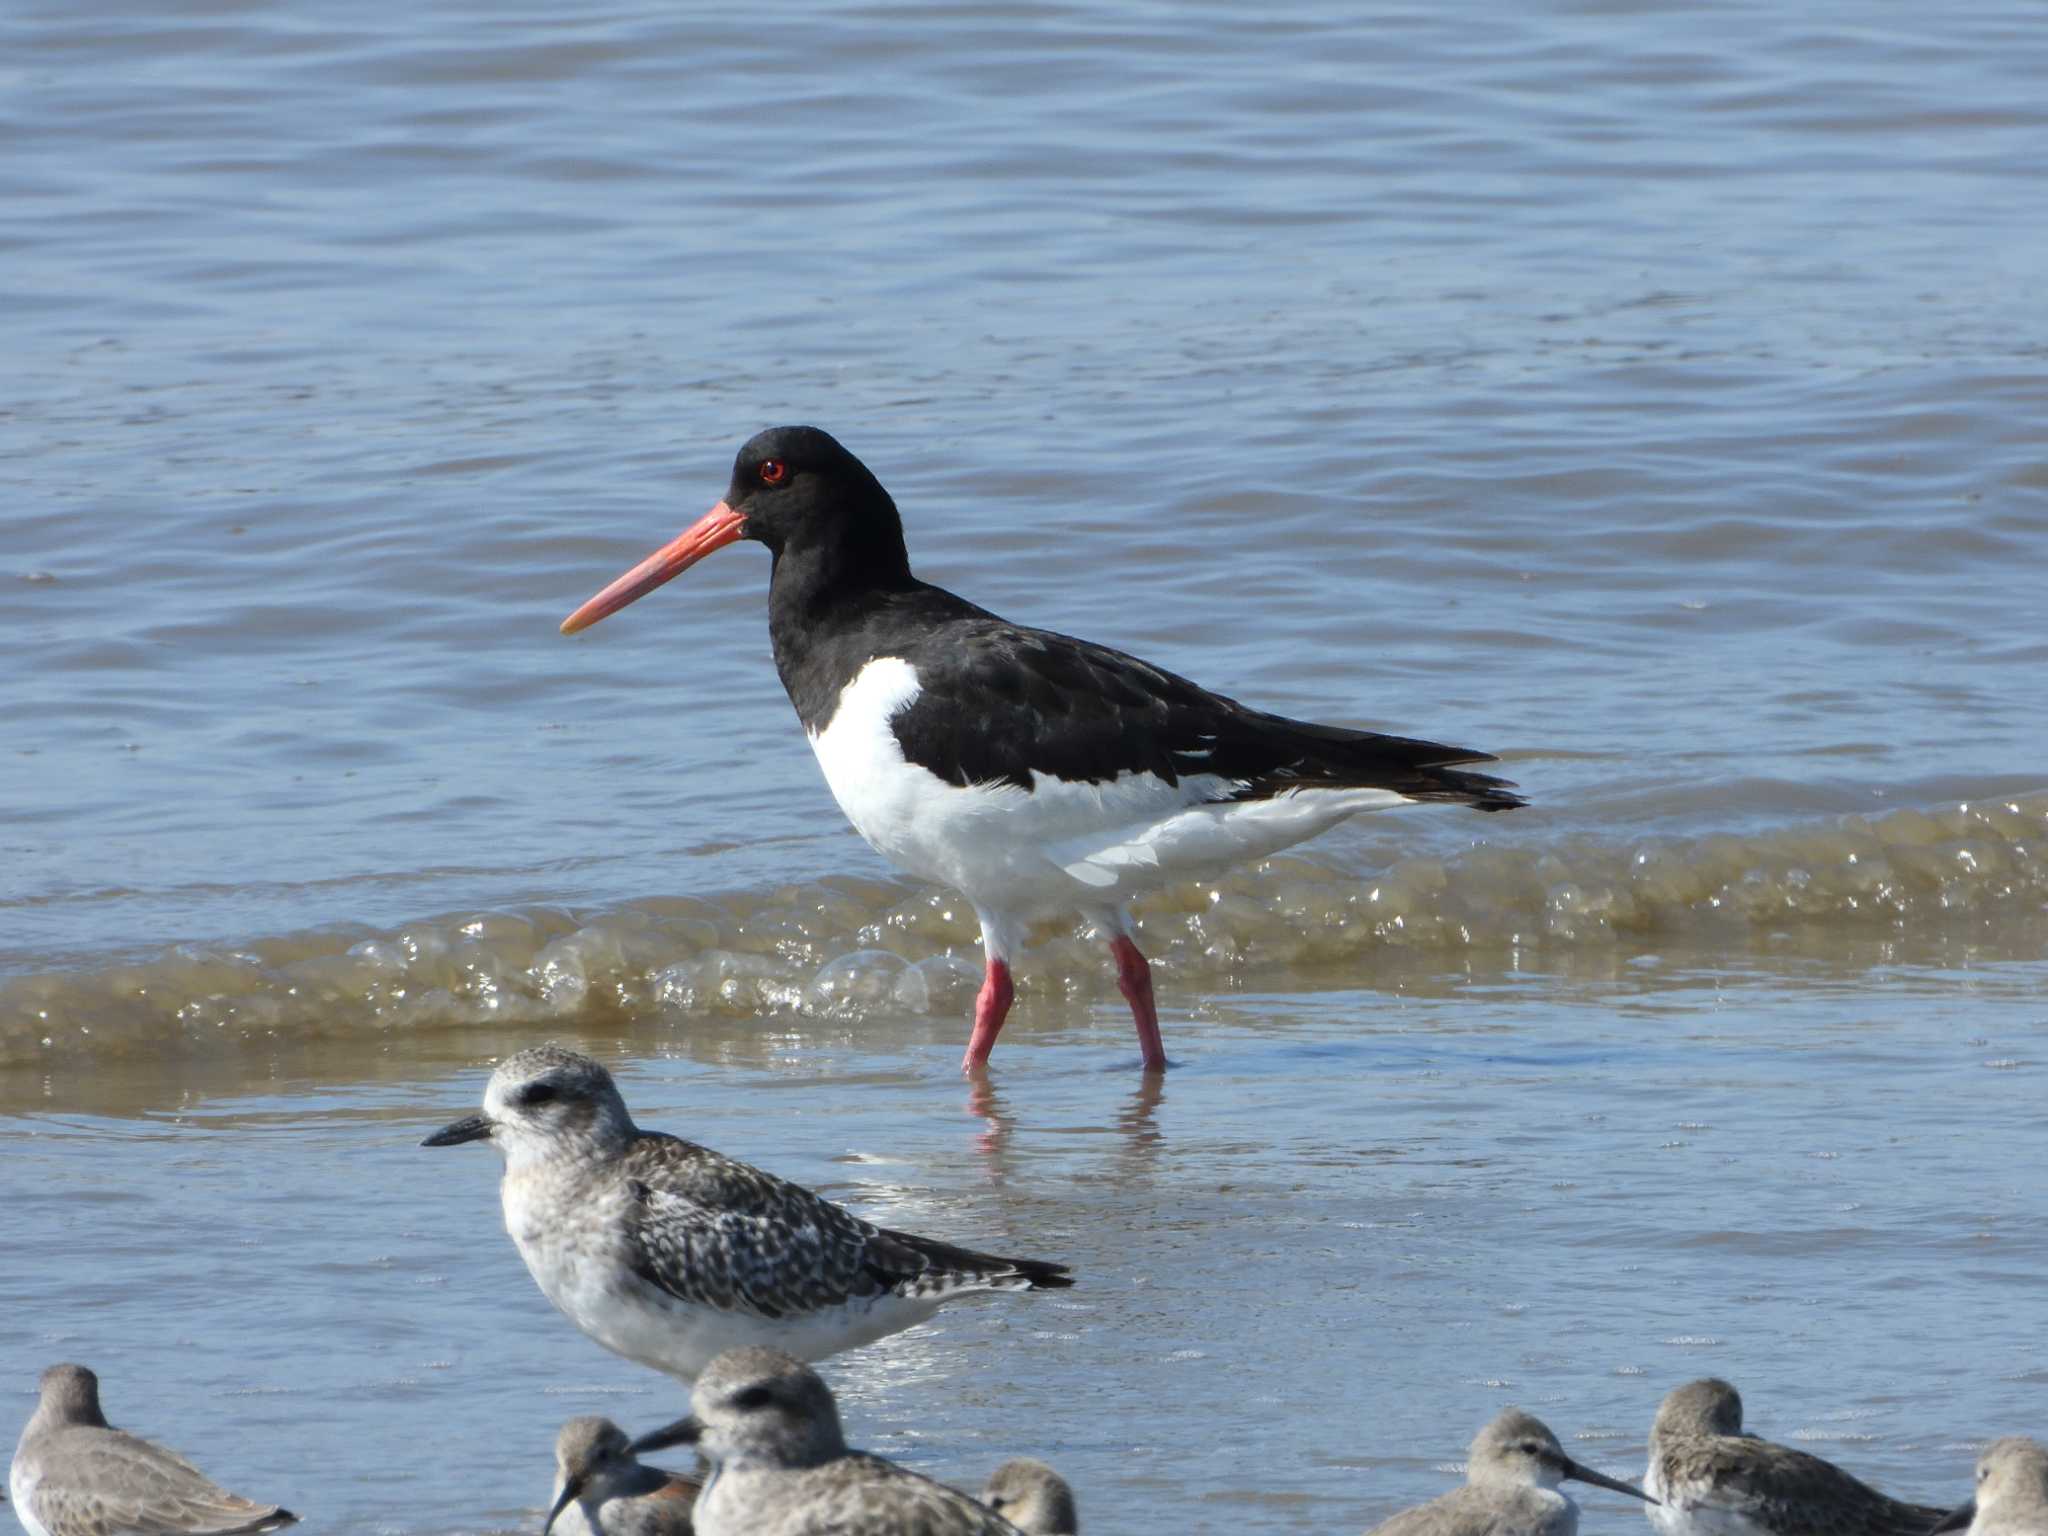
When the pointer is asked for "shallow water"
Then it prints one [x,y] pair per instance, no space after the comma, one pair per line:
[1654,397]
[1348,1227]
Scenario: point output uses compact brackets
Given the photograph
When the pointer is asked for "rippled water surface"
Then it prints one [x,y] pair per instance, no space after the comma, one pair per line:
[1652,395]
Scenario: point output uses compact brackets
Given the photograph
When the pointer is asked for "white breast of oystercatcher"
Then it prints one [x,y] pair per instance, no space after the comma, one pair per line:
[1039,774]
[1063,845]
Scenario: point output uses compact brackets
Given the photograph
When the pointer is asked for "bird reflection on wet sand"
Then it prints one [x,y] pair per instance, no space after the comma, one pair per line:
[1136,1124]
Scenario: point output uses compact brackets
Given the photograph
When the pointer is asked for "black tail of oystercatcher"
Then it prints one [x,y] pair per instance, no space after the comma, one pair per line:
[1040,775]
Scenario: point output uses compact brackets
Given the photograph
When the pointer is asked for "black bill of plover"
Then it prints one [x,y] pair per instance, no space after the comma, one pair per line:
[780,1466]
[2012,1492]
[1032,1497]
[1512,1474]
[1711,1478]
[602,1489]
[668,1253]
[74,1474]
[1040,775]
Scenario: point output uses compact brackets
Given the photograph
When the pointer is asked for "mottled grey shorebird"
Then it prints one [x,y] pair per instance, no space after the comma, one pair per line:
[602,1489]
[780,1466]
[1511,1477]
[1032,1497]
[74,1474]
[2012,1492]
[669,1254]
[1711,1478]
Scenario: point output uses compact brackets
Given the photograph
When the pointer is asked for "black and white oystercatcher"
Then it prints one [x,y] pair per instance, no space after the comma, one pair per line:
[1040,775]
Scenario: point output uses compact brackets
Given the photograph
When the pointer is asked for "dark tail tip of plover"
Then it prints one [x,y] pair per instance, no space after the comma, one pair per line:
[1042,1275]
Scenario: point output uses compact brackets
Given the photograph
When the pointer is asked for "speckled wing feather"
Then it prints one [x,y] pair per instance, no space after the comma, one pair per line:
[716,1232]
[862,1495]
[1753,1476]
[1473,1511]
[119,1485]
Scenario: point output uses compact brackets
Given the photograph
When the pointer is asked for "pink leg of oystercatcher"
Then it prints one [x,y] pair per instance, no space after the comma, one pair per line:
[991,1007]
[1134,980]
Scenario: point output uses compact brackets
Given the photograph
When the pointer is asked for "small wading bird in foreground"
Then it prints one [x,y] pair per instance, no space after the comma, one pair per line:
[1511,1478]
[1040,775]
[2012,1492]
[602,1489]
[780,1466]
[74,1474]
[1712,1479]
[668,1253]
[1032,1497]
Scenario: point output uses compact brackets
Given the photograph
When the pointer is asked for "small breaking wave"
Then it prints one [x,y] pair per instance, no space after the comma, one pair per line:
[845,948]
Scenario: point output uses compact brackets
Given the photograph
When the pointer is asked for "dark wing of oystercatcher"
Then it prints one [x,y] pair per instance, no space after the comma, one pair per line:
[999,702]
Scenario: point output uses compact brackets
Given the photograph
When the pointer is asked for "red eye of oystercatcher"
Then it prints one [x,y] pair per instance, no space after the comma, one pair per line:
[773,471]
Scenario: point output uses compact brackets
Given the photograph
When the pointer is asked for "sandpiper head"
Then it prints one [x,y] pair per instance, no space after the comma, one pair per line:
[788,484]
[2012,1474]
[1709,1406]
[70,1395]
[544,1101]
[1518,1448]
[1032,1497]
[755,1406]
[588,1451]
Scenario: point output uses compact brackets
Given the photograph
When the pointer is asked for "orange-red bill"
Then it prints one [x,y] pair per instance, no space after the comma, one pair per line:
[714,530]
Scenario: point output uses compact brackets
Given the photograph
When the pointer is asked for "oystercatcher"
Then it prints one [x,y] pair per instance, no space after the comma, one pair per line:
[1040,775]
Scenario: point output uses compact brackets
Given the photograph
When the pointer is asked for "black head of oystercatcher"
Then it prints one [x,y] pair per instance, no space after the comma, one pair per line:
[1041,775]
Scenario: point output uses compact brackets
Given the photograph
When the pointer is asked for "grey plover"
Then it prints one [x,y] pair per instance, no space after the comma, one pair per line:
[1032,1497]
[669,1253]
[1511,1478]
[2012,1492]
[1711,1478]
[74,1474]
[602,1489]
[780,1466]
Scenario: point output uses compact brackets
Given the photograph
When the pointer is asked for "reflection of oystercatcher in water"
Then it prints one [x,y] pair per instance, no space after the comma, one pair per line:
[1039,774]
